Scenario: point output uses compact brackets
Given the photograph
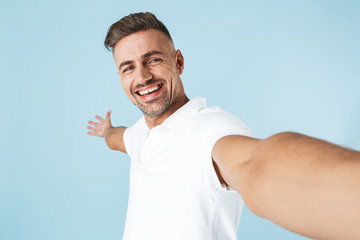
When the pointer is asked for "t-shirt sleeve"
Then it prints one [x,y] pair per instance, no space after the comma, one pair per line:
[127,140]
[214,124]
[229,130]
[133,135]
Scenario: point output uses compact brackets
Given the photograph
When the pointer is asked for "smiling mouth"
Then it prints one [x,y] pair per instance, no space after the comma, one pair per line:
[150,90]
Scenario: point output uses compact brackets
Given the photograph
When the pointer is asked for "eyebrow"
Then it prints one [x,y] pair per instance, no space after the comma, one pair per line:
[125,63]
[146,55]
[149,54]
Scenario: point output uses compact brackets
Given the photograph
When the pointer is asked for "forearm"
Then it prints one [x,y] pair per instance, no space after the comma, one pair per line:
[114,138]
[306,185]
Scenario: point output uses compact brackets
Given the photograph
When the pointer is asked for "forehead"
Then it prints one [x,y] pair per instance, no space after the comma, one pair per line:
[139,43]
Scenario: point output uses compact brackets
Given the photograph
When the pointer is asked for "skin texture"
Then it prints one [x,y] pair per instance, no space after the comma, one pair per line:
[303,184]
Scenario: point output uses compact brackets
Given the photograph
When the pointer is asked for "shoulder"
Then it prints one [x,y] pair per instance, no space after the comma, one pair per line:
[216,119]
[212,123]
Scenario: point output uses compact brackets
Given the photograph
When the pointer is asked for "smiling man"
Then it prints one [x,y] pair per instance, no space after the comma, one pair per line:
[150,70]
[192,165]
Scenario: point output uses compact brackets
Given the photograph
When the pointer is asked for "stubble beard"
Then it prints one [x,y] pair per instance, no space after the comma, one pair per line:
[161,104]
[156,107]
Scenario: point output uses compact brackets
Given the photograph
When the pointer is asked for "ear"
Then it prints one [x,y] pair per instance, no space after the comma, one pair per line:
[118,73]
[179,62]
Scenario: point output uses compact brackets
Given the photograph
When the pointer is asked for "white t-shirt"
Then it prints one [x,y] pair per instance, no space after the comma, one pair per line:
[174,190]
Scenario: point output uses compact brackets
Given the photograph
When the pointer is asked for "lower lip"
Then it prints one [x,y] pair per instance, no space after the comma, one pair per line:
[151,96]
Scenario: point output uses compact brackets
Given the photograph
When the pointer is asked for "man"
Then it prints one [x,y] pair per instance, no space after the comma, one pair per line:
[191,165]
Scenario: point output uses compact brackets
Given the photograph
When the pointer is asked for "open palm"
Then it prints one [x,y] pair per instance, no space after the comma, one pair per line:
[100,127]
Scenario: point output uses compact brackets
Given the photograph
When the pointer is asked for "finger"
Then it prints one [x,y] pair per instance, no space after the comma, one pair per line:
[91,128]
[108,113]
[91,133]
[94,123]
[99,118]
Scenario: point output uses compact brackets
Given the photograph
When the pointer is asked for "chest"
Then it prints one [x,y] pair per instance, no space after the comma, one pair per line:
[165,158]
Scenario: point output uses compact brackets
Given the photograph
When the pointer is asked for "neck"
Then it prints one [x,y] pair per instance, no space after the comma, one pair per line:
[154,121]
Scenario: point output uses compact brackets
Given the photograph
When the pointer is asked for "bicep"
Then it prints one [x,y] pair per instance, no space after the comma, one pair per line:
[232,150]
[231,154]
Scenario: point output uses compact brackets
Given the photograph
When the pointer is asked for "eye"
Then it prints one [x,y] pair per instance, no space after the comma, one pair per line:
[128,69]
[154,60]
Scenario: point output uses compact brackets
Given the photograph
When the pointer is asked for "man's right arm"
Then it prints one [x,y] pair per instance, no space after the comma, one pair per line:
[114,136]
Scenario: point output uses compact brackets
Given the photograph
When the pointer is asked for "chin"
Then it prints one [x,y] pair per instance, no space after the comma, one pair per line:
[156,110]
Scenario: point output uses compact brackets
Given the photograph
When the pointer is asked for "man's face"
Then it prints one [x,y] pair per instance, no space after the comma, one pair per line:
[150,70]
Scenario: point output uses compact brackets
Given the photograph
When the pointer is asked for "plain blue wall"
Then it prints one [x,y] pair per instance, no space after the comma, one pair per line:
[277,65]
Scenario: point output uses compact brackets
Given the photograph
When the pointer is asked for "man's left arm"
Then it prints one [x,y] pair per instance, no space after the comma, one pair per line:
[304,184]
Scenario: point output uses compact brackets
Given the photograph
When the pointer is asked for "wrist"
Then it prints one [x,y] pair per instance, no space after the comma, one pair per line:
[108,131]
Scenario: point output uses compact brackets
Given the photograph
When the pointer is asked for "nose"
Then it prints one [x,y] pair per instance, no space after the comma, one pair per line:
[143,75]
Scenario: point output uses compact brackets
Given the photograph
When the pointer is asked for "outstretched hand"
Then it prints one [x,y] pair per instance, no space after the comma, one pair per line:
[100,128]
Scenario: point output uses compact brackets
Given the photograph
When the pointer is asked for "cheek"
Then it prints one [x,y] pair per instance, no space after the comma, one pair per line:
[164,70]
[126,85]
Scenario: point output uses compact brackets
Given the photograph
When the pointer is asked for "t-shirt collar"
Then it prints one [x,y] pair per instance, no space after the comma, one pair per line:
[184,113]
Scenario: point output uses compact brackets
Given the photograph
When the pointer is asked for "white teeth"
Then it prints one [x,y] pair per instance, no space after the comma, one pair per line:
[149,90]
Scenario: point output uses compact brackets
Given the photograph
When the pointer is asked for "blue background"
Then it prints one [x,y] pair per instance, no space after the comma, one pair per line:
[277,65]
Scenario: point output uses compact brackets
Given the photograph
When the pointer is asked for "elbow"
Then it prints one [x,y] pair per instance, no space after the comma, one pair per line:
[110,144]
[115,145]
